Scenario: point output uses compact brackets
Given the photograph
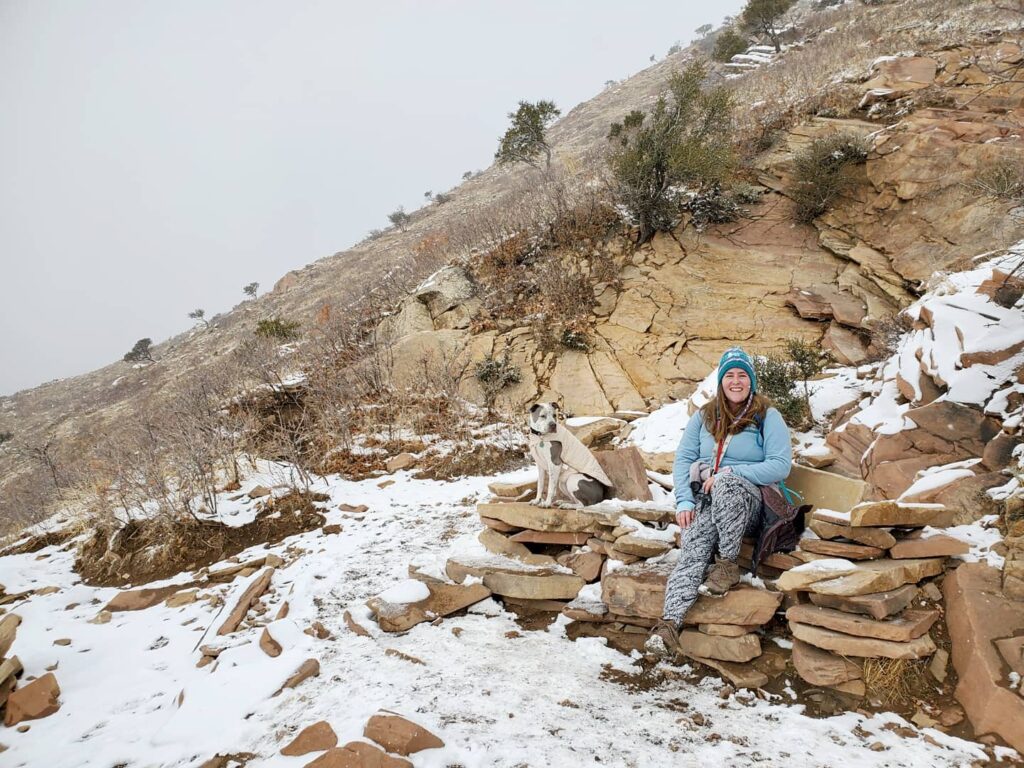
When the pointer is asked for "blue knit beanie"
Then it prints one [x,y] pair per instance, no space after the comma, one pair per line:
[734,357]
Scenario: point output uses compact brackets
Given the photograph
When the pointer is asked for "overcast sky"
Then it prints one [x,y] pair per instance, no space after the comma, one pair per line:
[156,156]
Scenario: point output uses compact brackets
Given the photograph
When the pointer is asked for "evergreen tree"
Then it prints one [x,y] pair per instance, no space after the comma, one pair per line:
[250,290]
[762,16]
[524,141]
[728,43]
[141,351]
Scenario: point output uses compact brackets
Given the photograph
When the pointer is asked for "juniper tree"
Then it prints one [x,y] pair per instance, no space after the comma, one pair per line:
[200,315]
[250,290]
[685,140]
[703,29]
[141,351]
[728,43]
[400,218]
[763,16]
[525,140]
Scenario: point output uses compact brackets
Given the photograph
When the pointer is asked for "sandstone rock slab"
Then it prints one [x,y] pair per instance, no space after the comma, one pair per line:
[908,625]
[642,546]
[518,580]
[139,599]
[527,516]
[397,734]
[901,514]
[871,537]
[845,550]
[820,667]
[37,699]
[625,468]
[313,738]
[878,605]
[444,599]
[358,754]
[869,647]
[565,538]
[719,647]
[915,545]
[520,490]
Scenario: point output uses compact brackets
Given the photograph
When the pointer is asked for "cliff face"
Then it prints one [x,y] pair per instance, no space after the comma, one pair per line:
[656,328]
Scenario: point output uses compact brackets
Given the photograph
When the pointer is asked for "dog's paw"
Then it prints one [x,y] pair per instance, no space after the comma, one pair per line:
[535,503]
[568,505]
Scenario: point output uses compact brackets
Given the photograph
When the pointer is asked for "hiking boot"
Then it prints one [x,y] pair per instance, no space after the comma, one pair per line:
[722,576]
[663,639]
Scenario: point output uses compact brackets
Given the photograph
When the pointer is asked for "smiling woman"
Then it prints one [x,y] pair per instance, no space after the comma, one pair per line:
[733,452]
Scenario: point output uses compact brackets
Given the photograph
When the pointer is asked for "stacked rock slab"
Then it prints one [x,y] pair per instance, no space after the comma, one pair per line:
[860,574]
[10,668]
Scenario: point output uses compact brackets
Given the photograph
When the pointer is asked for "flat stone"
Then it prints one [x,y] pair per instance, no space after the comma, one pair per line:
[639,590]
[179,599]
[625,468]
[252,593]
[899,514]
[825,490]
[845,550]
[399,462]
[513,579]
[139,599]
[878,605]
[871,537]
[821,569]
[1012,651]
[880,576]
[396,734]
[498,525]
[269,645]
[593,430]
[313,738]
[743,648]
[499,544]
[358,754]
[741,675]
[307,669]
[564,538]
[725,630]
[641,546]
[939,545]
[849,645]
[977,614]
[258,492]
[8,631]
[37,699]
[523,515]
[522,490]
[907,626]
[444,599]
[820,667]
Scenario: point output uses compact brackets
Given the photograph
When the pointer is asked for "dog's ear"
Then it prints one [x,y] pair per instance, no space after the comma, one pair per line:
[535,407]
[555,407]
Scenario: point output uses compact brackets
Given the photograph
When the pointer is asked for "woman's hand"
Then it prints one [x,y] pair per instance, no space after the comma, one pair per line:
[709,483]
[684,518]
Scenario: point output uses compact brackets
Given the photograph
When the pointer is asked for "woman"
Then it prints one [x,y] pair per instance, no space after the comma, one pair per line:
[732,447]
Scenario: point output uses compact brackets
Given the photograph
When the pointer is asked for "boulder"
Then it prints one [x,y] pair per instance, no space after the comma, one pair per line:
[908,625]
[313,738]
[917,545]
[358,754]
[34,700]
[977,613]
[396,734]
[878,605]
[639,590]
[625,468]
[445,290]
[585,564]
[443,600]
[849,645]
[898,513]
[743,648]
[510,578]
[820,667]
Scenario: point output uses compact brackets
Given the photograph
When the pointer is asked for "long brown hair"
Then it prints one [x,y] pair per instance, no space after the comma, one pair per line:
[720,419]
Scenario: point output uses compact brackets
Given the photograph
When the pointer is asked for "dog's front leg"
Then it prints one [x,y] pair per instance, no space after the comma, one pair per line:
[542,475]
[554,474]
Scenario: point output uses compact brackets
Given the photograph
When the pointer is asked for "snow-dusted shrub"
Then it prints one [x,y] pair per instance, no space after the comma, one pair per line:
[1000,179]
[824,171]
[728,43]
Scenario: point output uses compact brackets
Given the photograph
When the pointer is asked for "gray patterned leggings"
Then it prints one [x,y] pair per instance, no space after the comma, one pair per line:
[735,511]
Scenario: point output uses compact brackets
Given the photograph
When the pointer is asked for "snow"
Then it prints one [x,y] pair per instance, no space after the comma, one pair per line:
[660,431]
[825,565]
[934,478]
[982,535]
[408,591]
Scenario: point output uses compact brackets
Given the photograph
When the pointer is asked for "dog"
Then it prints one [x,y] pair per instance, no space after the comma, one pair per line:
[568,475]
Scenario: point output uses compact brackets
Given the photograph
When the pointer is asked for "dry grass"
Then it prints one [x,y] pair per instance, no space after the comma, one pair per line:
[892,681]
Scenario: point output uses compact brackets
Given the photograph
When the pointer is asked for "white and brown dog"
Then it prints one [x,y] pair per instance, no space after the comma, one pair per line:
[568,475]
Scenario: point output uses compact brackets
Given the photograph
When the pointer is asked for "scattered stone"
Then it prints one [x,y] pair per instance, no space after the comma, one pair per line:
[282,612]
[404,656]
[359,509]
[444,599]
[179,599]
[396,734]
[819,667]
[269,645]
[907,626]
[62,641]
[333,529]
[721,648]
[849,645]
[741,675]
[319,631]
[251,594]
[385,483]
[939,545]
[140,599]
[313,738]
[37,699]
[258,492]
[103,617]
[309,668]
[358,754]
[354,626]
[878,605]
[399,462]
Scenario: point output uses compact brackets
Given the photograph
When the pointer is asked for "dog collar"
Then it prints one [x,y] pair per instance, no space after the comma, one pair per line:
[535,432]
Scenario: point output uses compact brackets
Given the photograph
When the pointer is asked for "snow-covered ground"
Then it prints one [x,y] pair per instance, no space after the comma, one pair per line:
[497,694]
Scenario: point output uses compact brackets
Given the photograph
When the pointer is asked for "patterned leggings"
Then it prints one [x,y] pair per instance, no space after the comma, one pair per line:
[735,511]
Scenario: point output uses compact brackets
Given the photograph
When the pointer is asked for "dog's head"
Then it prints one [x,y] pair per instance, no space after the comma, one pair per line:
[543,418]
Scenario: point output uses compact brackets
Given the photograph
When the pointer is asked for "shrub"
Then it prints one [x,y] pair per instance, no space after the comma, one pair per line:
[524,141]
[823,171]
[276,328]
[712,206]
[776,378]
[674,49]
[887,332]
[809,360]
[684,141]
[703,29]
[250,290]
[1001,179]
[200,315]
[575,339]
[400,218]
[141,351]
[728,43]
[441,198]
[746,193]
[494,375]
[5,437]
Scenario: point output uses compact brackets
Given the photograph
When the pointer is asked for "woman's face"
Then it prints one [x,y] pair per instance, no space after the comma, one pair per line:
[736,385]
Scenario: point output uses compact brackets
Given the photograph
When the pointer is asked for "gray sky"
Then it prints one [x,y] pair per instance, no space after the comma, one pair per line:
[156,156]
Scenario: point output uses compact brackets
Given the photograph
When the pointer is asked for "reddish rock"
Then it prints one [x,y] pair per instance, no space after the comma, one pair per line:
[139,599]
[313,738]
[870,537]
[332,529]
[842,549]
[358,754]
[850,645]
[269,645]
[939,545]
[586,565]
[820,667]
[878,605]
[401,461]
[720,647]
[977,613]
[625,468]
[907,626]
[396,734]
[564,538]
[307,669]
[37,699]
[444,599]
[8,630]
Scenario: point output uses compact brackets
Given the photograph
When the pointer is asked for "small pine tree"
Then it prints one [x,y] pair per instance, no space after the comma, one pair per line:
[525,140]
[762,16]
[141,351]
[728,43]
[200,315]
[704,29]
[250,290]
[400,218]
[276,328]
